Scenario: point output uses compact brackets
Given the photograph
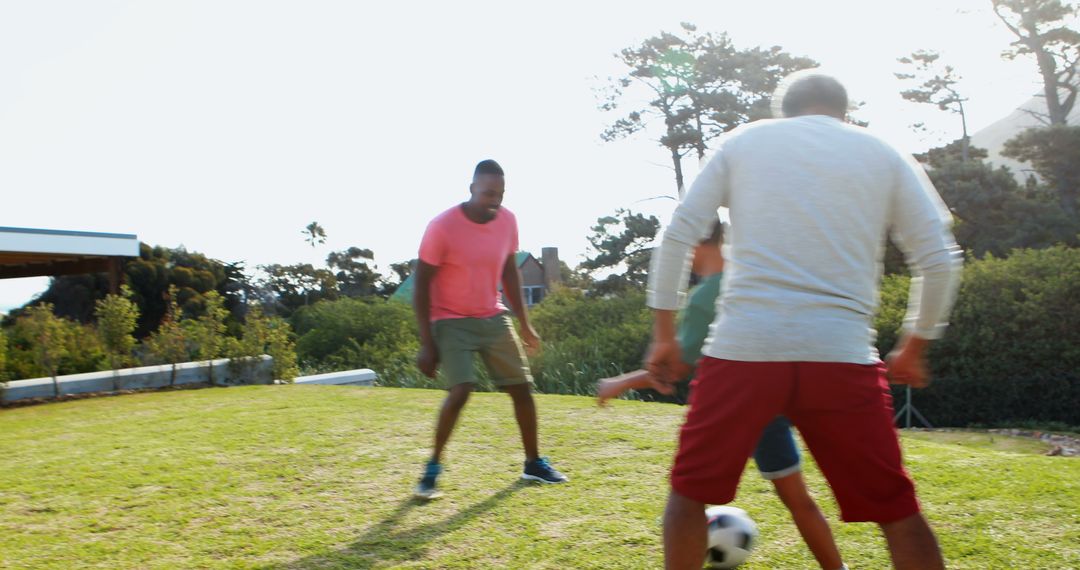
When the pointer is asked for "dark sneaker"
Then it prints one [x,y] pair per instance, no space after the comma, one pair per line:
[426,489]
[542,471]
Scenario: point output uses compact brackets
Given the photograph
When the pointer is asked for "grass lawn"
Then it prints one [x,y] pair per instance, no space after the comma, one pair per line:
[296,477]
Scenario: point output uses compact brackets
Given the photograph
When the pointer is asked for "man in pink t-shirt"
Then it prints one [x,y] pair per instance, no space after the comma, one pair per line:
[466,252]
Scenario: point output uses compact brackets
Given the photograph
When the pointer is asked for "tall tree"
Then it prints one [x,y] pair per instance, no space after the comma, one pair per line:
[117,316]
[953,152]
[936,86]
[399,272]
[1041,31]
[1054,152]
[149,276]
[355,278]
[314,234]
[698,84]
[623,241]
[992,212]
[289,287]
[574,277]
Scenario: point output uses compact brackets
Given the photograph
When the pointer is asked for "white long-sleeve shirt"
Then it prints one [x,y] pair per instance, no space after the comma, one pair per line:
[811,201]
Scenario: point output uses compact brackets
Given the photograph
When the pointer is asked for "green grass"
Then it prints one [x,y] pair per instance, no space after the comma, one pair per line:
[297,477]
[981,440]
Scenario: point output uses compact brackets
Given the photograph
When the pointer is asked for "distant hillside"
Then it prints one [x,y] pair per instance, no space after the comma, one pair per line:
[993,137]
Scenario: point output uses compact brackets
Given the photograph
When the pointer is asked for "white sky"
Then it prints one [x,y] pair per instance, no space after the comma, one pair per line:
[227,126]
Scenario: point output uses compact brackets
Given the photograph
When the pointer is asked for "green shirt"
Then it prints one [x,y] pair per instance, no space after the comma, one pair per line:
[695,318]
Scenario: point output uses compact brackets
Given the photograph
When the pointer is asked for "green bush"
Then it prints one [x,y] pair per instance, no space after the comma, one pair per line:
[1012,354]
[891,311]
[584,339]
[263,334]
[1012,351]
[76,348]
[353,333]
[587,338]
[3,356]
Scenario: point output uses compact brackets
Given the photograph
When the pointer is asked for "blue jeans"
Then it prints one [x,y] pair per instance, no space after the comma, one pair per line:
[776,454]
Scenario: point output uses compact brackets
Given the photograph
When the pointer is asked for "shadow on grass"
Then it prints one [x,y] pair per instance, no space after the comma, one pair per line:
[386,543]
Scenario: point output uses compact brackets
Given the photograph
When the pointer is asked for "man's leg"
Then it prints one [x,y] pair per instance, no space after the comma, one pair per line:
[458,394]
[912,544]
[536,468]
[455,341]
[844,412]
[685,533]
[505,359]
[525,412]
[730,404]
[448,416]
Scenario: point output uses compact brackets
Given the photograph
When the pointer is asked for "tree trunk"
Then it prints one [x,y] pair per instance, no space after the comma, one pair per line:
[1066,196]
[56,386]
[701,141]
[1027,33]
[172,376]
[1048,71]
[676,159]
[1068,201]
[964,142]
[1053,102]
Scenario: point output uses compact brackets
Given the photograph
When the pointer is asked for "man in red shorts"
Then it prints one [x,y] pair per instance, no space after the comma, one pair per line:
[811,200]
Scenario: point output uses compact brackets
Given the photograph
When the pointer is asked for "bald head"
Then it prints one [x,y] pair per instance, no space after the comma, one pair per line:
[811,92]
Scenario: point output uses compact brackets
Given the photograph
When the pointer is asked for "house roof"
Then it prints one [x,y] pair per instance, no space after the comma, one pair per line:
[29,252]
[404,291]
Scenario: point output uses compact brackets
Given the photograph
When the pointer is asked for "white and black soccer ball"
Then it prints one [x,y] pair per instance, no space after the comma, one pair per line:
[732,535]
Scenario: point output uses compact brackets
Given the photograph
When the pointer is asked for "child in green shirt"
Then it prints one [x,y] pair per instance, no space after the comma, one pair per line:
[777,456]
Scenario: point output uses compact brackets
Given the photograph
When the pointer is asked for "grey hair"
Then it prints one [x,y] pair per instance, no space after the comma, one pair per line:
[809,88]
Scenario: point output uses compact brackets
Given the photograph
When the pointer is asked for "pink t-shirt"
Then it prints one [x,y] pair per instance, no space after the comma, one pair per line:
[470,257]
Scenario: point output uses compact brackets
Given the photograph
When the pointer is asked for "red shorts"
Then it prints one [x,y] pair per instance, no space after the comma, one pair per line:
[843,411]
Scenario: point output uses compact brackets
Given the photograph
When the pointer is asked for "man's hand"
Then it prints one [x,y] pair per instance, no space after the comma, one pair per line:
[530,339]
[664,361]
[907,363]
[428,360]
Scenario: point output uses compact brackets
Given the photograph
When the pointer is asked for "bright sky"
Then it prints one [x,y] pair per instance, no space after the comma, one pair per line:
[227,126]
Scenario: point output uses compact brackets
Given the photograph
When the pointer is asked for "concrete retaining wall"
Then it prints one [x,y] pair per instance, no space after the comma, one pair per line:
[360,377]
[257,370]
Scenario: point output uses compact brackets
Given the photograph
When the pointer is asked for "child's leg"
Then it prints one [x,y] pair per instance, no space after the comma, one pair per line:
[777,458]
[809,519]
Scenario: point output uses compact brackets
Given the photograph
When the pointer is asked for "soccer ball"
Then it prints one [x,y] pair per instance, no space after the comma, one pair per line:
[732,535]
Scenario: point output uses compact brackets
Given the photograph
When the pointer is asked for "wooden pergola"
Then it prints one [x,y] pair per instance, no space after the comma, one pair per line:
[26,252]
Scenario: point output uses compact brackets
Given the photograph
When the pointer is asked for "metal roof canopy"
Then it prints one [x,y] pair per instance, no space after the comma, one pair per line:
[26,252]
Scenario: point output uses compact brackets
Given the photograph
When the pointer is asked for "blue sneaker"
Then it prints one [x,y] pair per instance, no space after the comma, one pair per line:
[540,470]
[426,489]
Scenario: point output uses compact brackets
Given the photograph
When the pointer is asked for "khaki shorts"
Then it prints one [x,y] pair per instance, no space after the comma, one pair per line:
[494,339]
